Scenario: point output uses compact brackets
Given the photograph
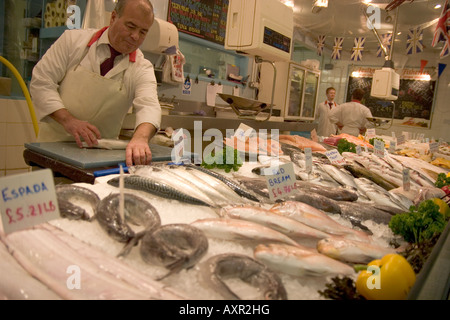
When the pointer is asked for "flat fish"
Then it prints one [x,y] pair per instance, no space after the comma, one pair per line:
[70,197]
[298,261]
[225,266]
[157,188]
[174,246]
[138,212]
[240,230]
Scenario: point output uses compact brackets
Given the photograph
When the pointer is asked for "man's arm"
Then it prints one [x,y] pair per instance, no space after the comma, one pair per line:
[138,151]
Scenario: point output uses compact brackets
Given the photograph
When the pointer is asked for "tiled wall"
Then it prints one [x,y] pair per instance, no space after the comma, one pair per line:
[16,129]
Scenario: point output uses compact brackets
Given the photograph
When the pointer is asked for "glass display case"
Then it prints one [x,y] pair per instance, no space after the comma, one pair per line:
[302,92]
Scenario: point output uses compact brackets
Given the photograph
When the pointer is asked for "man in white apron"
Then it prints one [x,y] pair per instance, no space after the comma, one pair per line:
[78,97]
[351,117]
[325,127]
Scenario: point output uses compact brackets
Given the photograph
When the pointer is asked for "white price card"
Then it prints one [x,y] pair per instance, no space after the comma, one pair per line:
[401,140]
[308,159]
[392,147]
[406,179]
[243,132]
[280,181]
[27,200]
[358,150]
[434,147]
[335,157]
[370,133]
[378,148]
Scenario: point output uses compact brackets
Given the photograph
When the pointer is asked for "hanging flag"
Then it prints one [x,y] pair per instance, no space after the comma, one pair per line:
[337,48]
[423,64]
[386,42]
[414,42]
[441,68]
[320,45]
[441,33]
[358,48]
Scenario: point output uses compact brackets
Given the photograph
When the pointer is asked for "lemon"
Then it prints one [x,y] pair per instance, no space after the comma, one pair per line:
[448,175]
[443,206]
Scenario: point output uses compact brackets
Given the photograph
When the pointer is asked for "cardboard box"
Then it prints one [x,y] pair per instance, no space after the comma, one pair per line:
[5,86]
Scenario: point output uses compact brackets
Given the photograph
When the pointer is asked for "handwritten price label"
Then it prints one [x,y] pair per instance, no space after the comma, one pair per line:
[27,200]
[335,157]
[280,181]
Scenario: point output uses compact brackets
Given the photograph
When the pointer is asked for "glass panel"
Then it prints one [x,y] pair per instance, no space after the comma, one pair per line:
[309,104]
[295,92]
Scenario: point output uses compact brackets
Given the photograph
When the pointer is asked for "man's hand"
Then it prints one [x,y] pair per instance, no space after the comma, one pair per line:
[138,151]
[79,129]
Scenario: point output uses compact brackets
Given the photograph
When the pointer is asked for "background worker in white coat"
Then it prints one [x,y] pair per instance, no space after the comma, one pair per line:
[87,81]
[351,117]
[325,127]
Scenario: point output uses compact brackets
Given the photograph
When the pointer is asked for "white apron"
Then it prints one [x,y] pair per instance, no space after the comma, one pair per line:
[91,97]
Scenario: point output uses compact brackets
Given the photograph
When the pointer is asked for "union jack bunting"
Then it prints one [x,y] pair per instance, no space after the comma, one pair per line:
[320,45]
[337,48]
[414,42]
[441,32]
[386,41]
[357,49]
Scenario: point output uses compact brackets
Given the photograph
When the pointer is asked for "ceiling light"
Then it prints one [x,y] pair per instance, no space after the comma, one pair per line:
[289,3]
[366,1]
[437,6]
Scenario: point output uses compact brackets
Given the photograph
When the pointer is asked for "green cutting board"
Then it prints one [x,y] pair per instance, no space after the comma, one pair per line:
[70,153]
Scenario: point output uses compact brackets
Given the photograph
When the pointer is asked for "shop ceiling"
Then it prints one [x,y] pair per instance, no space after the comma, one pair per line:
[346,18]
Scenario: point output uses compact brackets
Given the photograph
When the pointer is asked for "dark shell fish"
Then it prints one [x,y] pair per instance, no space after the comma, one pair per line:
[155,187]
[69,195]
[225,266]
[174,246]
[137,212]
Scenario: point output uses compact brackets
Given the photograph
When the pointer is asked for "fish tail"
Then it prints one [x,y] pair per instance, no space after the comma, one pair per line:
[130,244]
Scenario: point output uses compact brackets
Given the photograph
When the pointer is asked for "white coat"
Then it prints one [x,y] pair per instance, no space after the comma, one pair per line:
[325,127]
[352,115]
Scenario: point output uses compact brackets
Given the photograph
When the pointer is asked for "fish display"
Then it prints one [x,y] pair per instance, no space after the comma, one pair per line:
[217,269]
[352,250]
[300,261]
[174,246]
[138,212]
[71,197]
[157,188]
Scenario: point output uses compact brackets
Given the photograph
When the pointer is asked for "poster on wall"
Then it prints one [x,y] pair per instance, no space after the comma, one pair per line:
[203,19]
[414,104]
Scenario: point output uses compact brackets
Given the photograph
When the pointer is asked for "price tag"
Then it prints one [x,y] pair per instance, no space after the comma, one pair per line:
[392,147]
[434,147]
[358,150]
[280,181]
[378,148]
[406,179]
[308,159]
[243,132]
[314,136]
[27,200]
[401,140]
[335,157]
[370,133]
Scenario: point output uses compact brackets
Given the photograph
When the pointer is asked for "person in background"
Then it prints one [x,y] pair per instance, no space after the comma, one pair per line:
[351,117]
[88,80]
[325,127]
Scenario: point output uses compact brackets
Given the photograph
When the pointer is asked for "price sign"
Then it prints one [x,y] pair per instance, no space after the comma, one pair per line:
[358,150]
[280,181]
[392,147]
[27,200]
[308,159]
[243,132]
[401,140]
[378,148]
[406,179]
[434,147]
[370,133]
[335,157]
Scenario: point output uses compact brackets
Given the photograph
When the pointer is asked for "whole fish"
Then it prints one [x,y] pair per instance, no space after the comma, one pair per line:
[359,171]
[137,212]
[256,185]
[225,266]
[299,261]
[339,193]
[314,199]
[351,250]
[230,183]
[71,196]
[317,219]
[377,194]
[158,188]
[340,176]
[174,246]
[294,229]
[240,230]
[358,212]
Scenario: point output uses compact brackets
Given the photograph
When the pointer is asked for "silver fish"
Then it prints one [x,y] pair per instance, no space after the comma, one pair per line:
[298,261]
[69,196]
[376,193]
[240,230]
[137,212]
[225,266]
[343,177]
[174,246]
[339,193]
[158,188]
[351,250]
[315,200]
[358,212]
[230,183]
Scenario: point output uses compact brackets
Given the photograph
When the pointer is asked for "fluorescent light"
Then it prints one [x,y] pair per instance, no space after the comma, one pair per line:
[437,6]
